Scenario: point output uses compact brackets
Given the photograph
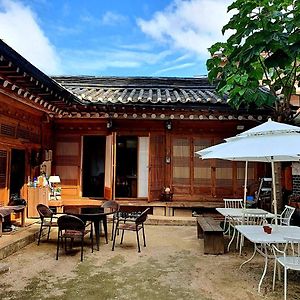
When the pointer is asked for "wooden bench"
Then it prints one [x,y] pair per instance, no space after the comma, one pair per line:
[212,233]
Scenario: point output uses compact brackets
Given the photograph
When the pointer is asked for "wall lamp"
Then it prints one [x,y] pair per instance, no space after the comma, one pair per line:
[109,124]
[168,125]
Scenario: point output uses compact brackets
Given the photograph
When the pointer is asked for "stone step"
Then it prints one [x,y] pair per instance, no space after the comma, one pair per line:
[171,220]
[11,243]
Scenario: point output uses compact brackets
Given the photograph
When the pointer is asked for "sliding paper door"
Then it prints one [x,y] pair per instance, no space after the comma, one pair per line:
[110,158]
[143,166]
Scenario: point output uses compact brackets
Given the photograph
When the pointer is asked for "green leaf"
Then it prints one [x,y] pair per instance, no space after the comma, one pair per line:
[262,51]
[213,73]
[278,59]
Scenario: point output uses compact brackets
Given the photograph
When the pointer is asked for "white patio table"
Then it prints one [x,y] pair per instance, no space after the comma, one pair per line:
[238,212]
[262,241]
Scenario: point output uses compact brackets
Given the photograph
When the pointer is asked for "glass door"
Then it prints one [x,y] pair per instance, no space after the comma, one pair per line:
[126,166]
[93,166]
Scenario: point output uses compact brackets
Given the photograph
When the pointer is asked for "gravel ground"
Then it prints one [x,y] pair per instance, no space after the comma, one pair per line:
[172,266]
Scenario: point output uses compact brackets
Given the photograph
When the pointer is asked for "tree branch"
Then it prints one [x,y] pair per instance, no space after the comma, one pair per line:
[295,67]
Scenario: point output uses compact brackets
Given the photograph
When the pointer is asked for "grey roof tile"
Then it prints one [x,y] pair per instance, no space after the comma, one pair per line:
[144,90]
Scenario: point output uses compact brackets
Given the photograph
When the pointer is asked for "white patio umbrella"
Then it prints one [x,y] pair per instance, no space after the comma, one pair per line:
[268,142]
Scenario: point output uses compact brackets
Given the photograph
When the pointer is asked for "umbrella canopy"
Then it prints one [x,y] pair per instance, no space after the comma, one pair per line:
[263,148]
[270,127]
[268,142]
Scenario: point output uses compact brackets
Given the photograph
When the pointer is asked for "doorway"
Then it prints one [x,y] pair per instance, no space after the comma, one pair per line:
[126,166]
[93,166]
[17,172]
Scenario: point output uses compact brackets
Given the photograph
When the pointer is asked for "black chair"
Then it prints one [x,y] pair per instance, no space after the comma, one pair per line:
[112,207]
[47,221]
[72,227]
[134,225]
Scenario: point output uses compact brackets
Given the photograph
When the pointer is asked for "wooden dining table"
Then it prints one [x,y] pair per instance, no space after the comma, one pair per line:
[94,214]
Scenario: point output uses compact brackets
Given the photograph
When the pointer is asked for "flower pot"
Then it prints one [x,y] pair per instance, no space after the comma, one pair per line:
[267,229]
[167,196]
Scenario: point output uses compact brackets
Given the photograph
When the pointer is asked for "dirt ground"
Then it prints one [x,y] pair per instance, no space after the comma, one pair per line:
[172,266]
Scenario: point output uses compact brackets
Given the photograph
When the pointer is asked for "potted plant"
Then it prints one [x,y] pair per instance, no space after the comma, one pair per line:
[166,194]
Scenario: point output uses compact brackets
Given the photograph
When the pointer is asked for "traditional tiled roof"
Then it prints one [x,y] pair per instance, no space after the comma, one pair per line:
[141,90]
[19,76]
[114,97]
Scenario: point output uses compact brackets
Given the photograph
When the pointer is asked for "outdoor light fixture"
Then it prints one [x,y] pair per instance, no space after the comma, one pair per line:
[240,127]
[168,125]
[53,180]
[109,124]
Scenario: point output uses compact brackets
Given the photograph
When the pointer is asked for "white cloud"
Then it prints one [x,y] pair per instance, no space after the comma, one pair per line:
[90,19]
[67,30]
[183,57]
[192,25]
[176,67]
[138,46]
[20,30]
[111,18]
[103,59]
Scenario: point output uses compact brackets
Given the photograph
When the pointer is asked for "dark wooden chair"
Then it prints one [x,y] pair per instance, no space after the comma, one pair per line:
[72,227]
[112,207]
[47,220]
[134,225]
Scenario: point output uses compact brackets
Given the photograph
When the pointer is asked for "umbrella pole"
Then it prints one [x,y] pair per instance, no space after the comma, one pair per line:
[245,184]
[274,192]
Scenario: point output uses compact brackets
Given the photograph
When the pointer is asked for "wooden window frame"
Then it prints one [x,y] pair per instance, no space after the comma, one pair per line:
[193,190]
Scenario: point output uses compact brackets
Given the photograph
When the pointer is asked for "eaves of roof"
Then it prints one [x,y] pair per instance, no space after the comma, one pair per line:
[19,76]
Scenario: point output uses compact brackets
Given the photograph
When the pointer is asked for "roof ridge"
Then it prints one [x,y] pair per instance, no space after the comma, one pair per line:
[134,82]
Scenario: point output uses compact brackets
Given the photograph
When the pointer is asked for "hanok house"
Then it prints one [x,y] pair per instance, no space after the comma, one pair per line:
[121,138]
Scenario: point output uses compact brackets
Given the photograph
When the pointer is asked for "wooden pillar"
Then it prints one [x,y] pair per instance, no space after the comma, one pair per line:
[168,158]
[280,204]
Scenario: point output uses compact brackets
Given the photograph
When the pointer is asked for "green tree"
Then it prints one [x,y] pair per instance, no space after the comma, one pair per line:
[259,62]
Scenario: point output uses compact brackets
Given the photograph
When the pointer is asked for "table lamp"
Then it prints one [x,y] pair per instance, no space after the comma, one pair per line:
[53,180]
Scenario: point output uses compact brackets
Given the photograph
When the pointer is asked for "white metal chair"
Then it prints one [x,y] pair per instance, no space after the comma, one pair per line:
[289,259]
[248,218]
[252,218]
[231,203]
[285,217]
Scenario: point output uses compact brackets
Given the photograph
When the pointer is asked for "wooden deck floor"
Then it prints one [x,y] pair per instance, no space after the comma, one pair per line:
[172,208]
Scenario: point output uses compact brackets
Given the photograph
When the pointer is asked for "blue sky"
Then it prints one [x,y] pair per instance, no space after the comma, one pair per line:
[114,37]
